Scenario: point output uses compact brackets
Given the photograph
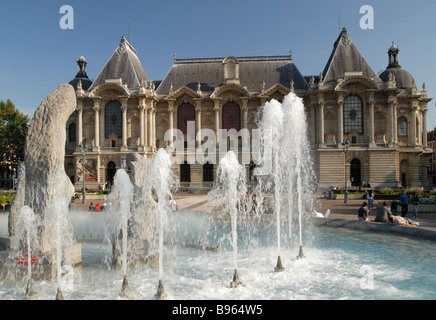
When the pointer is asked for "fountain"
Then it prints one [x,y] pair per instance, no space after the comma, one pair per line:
[162,180]
[26,238]
[230,188]
[140,223]
[291,176]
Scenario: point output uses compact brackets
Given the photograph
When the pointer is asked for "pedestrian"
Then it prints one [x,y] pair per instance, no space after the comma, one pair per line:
[97,207]
[415,202]
[404,200]
[362,213]
[394,206]
[91,207]
[7,207]
[370,199]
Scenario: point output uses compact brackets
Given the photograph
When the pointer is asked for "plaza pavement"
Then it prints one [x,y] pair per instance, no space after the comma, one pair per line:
[341,215]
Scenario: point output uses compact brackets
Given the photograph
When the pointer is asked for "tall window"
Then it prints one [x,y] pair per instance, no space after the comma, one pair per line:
[113,119]
[185,172]
[185,113]
[72,132]
[353,114]
[231,116]
[402,127]
[208,172]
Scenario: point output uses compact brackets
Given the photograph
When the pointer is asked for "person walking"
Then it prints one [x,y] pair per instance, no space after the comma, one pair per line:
[404,200]
[415,202]
[370,199]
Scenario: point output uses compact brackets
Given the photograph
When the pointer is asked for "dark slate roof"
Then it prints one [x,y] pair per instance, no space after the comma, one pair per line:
[124,64]
[403,78]
[346,57]
[252,72]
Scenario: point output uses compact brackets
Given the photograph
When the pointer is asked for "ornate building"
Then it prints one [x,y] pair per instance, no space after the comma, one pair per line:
[383,117]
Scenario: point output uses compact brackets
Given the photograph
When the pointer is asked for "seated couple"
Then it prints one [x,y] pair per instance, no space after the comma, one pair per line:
[385,215]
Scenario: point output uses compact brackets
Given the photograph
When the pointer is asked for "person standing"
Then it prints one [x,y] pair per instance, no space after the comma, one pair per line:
[394,206]
[415,201]
[404,200]
[370,199]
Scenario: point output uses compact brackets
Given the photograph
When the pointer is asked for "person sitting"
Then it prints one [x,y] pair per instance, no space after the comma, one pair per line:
[362,214]
[91,207]
[384,214]
[97,207]
[394,206]
[103,207]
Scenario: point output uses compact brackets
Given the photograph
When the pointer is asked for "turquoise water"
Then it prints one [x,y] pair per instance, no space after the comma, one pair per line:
[338,264]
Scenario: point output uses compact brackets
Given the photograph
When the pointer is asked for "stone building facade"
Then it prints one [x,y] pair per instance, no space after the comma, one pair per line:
[383,117]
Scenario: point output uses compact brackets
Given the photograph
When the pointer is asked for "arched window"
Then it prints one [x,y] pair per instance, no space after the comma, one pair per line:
[185,113]
[113,119]
[231,116]
[402,127]
[353,114]
[72,132]
[208,172]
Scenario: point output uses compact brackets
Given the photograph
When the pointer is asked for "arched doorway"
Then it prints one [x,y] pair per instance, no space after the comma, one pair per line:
[404,173]
[355,173]
[111,171]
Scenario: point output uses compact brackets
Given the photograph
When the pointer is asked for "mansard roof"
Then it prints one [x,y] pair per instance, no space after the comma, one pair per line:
[124,64]
[255,73]
[346,57]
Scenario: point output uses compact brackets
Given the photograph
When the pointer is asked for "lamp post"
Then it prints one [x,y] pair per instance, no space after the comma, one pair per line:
[83,152]
[346,145]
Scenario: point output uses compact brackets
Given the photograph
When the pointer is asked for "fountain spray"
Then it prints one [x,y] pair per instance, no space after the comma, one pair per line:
[26,232]
[122,197]
[231,188]
[162,179]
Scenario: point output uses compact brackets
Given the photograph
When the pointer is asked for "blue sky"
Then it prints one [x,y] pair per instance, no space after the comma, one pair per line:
[37,55]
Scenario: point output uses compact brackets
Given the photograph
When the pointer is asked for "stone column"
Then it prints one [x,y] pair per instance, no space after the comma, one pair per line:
[124,123]
[216,108]
[371,104]
[321,105]
[79,122]
[340,137]
[171,120]
[413,124]
[141,108]
[391,129]
[244,113]
[97,124]
[150,124]
[198,137]
[153,126]
[424,128]
[396,122]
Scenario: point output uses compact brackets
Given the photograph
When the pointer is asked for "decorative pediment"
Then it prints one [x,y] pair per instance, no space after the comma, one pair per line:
[235,90]
[109,91]
[183,93]
[277,88]
[356,84]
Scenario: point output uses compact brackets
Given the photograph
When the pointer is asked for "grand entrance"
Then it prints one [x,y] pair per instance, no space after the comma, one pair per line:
[355,173]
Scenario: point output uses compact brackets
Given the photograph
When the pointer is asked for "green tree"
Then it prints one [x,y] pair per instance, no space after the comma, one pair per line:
[13,130]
